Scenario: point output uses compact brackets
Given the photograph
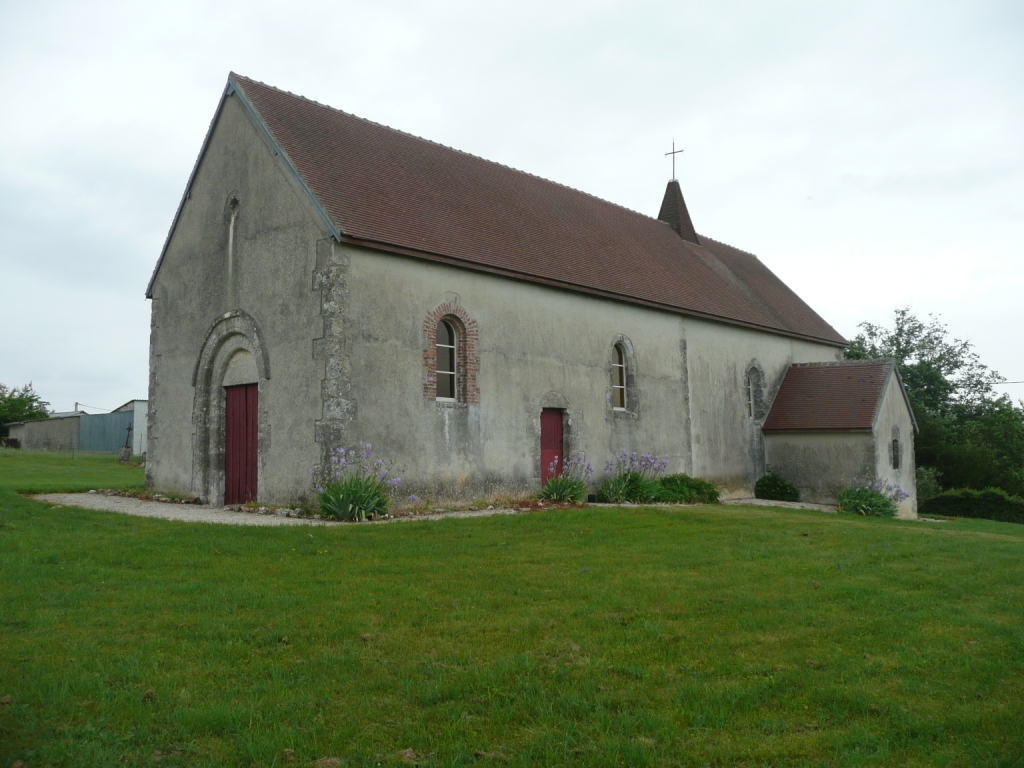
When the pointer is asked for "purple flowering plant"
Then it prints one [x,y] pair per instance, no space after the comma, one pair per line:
[577,468]
[646,465]
[570,482]
[878,498]
[353,485]
[631,477]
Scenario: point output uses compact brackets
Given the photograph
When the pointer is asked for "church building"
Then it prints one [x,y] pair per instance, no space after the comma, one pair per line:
[329,282]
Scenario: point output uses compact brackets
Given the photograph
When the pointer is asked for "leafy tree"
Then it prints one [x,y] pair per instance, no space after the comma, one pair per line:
[973,438]
[938,372]
[21,404]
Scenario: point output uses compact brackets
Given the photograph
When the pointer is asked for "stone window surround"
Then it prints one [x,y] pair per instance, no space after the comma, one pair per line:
[896,449]
[754,397]
[632,409]
[231,333]
[467,361]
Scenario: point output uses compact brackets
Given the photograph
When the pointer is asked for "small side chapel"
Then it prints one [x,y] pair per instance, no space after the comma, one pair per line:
[329,282]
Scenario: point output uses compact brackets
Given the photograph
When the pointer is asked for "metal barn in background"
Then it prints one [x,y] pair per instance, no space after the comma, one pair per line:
[89,433]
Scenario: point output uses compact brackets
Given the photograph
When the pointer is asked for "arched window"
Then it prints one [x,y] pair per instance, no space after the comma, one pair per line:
[447,362]
[232,217]
[619,378]
[755,395]
[450,360]
[896,453]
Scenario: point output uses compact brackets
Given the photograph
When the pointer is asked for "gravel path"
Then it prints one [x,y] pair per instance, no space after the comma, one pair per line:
[202,513]
[786,504]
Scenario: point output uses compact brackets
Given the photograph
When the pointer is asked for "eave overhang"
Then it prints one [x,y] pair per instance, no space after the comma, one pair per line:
[577,288]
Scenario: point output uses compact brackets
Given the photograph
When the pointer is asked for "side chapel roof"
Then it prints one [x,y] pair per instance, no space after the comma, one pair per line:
[390,190]
[832,397]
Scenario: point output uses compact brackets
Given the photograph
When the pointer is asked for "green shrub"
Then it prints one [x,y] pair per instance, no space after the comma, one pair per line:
[564,488]
[989,504]
[354,498]
[631,477]
[776,488]
[683,489]
[879,499]
[571,482]
[928,484]
[351,488]
[867,501]
[628,486]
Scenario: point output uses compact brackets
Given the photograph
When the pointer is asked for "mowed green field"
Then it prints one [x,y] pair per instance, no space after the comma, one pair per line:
[45,472]
[664,636]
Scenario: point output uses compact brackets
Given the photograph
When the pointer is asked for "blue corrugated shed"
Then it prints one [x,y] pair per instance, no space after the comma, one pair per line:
[104,432]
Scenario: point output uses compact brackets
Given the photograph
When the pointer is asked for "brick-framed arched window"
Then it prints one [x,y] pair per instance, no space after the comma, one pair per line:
[458,355]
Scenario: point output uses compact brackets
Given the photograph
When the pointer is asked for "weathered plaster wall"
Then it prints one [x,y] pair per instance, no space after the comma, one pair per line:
[337,343]
[269,277]
[728,445]
[894,421]
[821,464]
[541,347]
[48,434]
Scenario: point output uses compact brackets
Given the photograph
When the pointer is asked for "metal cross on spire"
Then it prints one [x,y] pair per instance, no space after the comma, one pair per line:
[674,152]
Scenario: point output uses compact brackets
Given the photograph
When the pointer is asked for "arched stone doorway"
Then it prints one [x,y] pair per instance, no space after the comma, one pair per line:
[232,356]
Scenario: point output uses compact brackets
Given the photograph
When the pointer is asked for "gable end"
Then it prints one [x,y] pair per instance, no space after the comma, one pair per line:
[232,90]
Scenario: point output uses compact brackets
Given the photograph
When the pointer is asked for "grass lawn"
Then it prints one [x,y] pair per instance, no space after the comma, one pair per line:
[47,472]
[668,636]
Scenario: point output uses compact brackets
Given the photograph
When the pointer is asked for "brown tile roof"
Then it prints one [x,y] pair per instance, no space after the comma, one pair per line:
[391,190]
[829,396]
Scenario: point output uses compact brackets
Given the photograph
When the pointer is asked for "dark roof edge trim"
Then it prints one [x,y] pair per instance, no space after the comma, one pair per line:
[906,398]
[232,89]
[817,430]
[881,395]
[894,371]
[279,152]
[575,288]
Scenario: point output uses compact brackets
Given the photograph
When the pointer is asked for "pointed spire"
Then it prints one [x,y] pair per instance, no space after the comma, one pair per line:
[674,213]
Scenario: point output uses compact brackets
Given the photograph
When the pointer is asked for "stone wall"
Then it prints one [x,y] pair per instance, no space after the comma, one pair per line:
[343,340]
[48,434]
[821,464]
[894,423]
[536,347]
[222,289]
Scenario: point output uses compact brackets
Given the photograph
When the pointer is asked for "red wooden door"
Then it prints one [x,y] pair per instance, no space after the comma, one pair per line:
[240,424]
[550,444]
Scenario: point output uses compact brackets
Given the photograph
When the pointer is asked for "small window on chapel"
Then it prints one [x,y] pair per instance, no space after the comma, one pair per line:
[446,361]
[896,453]
[754,394]
[619,378]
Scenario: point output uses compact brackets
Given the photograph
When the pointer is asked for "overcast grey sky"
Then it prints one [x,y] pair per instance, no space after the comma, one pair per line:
[871,154]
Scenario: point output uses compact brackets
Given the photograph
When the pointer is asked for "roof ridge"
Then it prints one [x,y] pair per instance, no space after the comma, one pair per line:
[840,363]
[713,240]
[452,149]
